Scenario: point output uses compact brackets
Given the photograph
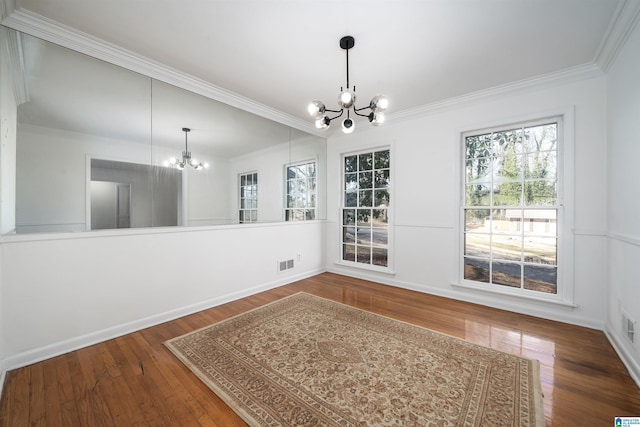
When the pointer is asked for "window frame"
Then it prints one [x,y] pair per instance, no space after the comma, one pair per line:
[240,198]
[564,222]
[313,161]
[389,268]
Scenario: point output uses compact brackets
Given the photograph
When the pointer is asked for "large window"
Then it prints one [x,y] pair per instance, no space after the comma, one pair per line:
[511,207]
[365,208]
[301,192]
[248,198]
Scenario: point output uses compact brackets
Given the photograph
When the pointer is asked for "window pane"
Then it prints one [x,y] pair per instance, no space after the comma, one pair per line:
[381,159]
[541,278]
[349,252]
[476,269]
[507,274]
[351,182]
[381,178]
[380,217]
[540,250]
[351,200]
[508,247]
[541,165]
[364,217]
[509,168]
[478,146]
[508,194]
[365,199]
[540,193]
[507,142]
[477,245]
[380,236]
[475,220]
[541,138]
[381,198]
[379,256]
[365,161]
[507,221]
[540,222]
[310,214]
[364,236]
[364,254]
[478,171]
[365,180]
[348,216]
[477,195]
[351,163]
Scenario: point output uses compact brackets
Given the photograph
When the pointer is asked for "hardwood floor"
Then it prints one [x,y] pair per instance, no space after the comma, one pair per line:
[135,380]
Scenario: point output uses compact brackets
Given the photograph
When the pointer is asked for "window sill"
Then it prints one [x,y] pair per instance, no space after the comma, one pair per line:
[494,290]
[367,267]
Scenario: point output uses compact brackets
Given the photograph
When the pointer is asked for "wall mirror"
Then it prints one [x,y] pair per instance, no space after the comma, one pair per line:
[90,145]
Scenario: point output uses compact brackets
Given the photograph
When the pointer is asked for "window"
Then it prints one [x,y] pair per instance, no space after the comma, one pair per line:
[301,192]
[511,207]
[248,198]
[365,209]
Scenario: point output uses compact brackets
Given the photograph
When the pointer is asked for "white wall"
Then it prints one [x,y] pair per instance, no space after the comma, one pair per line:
[623,115]
[425,194]
[63,291]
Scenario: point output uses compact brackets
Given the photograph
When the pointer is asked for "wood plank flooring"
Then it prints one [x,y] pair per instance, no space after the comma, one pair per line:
[135,380]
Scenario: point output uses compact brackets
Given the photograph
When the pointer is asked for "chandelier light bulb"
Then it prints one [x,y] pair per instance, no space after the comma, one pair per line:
[377,119]
[347,98]
[323,123]
[347,125]
[379,103]
[316,109]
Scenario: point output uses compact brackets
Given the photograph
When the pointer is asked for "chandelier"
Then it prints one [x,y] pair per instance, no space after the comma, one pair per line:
[347,101]
[186,157]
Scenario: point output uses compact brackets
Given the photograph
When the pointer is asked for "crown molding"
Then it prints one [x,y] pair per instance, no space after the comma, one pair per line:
[7,7]
[624,21]
[573,74]
[39,26]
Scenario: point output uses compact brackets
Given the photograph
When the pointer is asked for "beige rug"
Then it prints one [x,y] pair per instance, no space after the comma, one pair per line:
[308,361]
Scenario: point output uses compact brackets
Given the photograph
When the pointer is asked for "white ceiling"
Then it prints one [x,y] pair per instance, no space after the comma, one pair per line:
[285,53]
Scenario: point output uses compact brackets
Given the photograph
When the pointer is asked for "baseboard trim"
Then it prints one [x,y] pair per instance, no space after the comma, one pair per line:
[627,359]
[3,376]
[46,352]
[563,315]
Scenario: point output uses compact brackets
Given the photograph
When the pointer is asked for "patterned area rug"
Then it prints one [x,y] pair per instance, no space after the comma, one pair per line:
[308,361]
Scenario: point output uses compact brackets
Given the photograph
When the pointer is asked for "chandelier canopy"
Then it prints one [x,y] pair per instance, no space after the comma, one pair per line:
[347,101]
[186,157]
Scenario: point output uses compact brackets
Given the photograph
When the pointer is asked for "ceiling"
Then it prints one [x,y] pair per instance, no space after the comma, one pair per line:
[284,53]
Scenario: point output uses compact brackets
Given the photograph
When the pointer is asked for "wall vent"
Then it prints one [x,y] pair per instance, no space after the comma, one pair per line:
[285,265]
[628,326]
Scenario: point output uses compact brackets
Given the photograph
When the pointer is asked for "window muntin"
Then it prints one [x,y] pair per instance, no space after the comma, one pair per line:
[511,208]
[301,189]
[248,211]
[365,208]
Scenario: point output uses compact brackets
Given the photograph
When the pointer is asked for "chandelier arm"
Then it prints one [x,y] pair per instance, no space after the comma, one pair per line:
[341,112]
[355,110]
[332,111]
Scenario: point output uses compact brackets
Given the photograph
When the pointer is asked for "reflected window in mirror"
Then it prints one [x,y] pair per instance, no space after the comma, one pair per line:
[301,191]
[248,198]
